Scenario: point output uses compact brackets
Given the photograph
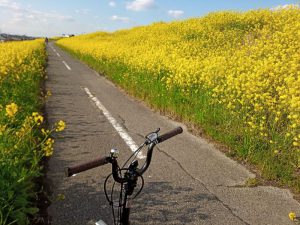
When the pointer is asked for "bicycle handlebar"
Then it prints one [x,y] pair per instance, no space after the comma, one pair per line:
[100,161]
[130,177]
[169,134]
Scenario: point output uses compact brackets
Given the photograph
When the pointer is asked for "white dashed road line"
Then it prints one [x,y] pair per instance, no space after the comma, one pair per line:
[123,134]
[69,68]
[57,54]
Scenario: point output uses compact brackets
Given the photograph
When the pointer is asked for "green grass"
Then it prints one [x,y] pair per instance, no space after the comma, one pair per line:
[19,157]
[196,109]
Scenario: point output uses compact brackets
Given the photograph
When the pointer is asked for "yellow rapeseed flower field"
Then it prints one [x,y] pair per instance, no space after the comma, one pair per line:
[24,141]
[16,58]
[248,62]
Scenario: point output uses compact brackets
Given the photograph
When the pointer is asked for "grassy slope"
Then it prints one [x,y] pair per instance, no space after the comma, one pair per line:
[194,105]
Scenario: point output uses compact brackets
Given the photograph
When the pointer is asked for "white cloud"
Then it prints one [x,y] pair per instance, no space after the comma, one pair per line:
[287,6]
[175,13]
[82,11]
[13,6]
[119,18]
[139,5]
[17,18]
[112,4]
[17,11]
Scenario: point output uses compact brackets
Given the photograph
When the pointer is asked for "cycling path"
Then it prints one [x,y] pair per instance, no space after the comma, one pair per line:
[188,182]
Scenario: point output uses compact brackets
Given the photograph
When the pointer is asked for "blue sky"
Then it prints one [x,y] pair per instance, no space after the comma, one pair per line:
[56,17]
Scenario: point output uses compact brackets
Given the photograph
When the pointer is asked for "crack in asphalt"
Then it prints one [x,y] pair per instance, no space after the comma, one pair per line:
[202,183]
[123,122]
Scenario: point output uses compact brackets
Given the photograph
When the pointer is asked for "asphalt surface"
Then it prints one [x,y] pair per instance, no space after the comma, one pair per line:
[188,182]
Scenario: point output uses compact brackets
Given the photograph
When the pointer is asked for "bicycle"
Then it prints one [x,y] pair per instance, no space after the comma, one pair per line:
[127,177]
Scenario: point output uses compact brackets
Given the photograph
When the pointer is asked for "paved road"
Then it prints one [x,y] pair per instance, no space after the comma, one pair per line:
[189,181]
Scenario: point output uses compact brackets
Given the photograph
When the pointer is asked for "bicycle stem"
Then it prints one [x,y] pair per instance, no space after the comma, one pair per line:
[140,172]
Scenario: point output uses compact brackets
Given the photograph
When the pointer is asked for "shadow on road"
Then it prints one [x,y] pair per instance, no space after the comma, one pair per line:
[163,203]
[159,203]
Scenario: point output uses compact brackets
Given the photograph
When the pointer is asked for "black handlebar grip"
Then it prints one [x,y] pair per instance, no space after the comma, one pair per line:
[69,171]
[171,133]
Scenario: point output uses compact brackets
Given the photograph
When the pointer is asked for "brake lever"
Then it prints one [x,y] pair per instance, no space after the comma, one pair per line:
[152,137]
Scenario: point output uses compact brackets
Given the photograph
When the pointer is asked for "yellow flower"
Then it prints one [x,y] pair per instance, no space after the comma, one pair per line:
[21,132]
[35,114]
[45,132]
[294,125]
[48,147]
[38,119]
[60,197]
[48,93]
[60,126]
[11,109]
[292,216]
[2,129]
